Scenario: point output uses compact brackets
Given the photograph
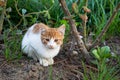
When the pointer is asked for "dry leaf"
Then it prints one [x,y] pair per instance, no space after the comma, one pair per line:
[83,17]
[86,9]
[75,7]
[2,3]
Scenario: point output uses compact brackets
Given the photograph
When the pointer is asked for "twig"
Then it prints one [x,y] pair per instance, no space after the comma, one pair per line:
[73,75]
[3,64]
[98,39]
[74,30]
[16,3]
[61,61]
[9,22]
[72,66]
[77,72]
[93,68]
[2,15]
[18,23]
[2,20]
[28,14]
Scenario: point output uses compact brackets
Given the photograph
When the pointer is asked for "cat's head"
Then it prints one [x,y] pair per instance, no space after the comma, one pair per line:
[51,37]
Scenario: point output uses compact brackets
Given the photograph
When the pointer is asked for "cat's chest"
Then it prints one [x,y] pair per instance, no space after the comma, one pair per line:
[48,52]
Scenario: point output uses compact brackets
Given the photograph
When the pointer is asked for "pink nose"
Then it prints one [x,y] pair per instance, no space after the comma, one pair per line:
[51,47]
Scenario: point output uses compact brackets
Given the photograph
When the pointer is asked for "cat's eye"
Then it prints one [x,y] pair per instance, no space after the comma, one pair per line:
[47,39]
[56,40]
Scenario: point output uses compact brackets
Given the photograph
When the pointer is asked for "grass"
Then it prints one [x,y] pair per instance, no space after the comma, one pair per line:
[104,72]
[12,42]
[50,73]
[101,11]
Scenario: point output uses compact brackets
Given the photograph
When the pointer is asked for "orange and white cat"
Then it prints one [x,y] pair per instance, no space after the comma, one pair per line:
[43,43]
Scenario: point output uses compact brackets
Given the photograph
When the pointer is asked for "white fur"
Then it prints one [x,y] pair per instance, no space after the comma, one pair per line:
[33,47]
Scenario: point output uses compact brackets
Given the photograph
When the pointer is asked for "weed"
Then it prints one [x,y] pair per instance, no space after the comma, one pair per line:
[12,42]
[50,73]
[104,72]
[102,53]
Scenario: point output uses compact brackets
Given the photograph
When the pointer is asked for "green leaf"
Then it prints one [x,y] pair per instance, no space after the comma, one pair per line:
[47,14]
[95,53]
[105,49]
[24,11]
[75,8]
[1,8]
[105,52]
[94,62]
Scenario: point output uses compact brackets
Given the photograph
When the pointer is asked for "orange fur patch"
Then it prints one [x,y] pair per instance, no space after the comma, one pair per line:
[39,26]
[52,33]
[49,33]
[36,28]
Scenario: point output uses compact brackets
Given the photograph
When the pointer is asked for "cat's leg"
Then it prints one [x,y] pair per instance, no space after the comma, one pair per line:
[32,54]
[50,61]
[43,61]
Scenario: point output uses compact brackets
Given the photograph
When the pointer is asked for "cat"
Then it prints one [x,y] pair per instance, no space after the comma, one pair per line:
[43,43]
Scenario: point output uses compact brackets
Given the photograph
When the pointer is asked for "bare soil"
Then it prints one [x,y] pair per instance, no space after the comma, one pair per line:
[66,67]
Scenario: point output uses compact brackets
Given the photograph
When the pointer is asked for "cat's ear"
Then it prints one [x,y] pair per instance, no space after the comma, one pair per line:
[43,27]
[39,27]
[62,29]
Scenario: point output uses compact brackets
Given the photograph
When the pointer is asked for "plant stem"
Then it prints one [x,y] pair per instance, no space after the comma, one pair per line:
[16,4]
[74,31]
[84,23]
[98,39]
[2,16]
[84,30]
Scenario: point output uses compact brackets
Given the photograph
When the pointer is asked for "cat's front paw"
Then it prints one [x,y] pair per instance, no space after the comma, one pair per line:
[50,61]
[43,62]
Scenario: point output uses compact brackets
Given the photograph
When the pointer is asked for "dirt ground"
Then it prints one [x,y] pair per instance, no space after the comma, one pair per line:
[66,67]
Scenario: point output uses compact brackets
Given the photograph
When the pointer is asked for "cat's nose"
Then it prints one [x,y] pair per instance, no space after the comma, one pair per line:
[51,47]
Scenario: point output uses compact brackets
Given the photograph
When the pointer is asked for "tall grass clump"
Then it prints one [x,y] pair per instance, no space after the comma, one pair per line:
[103,71]
[12,42]
[101,11]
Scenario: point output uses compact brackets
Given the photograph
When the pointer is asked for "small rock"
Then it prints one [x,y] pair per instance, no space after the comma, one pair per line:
[39,66]
[30,73]
[20,72]
[34,68]
[75,43]
[22,64]
[75,53]
[34,74]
